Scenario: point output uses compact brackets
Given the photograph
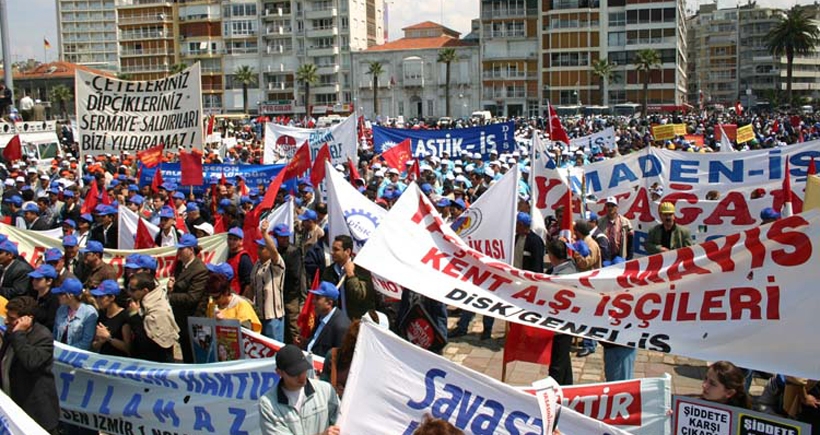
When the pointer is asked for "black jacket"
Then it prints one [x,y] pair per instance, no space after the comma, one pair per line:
[30,376]
[331,335]
[107,238]
[16,281]
[533,253]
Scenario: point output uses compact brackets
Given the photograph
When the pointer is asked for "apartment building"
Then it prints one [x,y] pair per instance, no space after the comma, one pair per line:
[146,37]
[509,51]
[412,83]
[87,33]
[575,34]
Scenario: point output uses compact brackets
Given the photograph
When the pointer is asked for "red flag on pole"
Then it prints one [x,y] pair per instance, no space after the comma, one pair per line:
[529,344]
[157,180]
[91,199]
[787,193]
[354,173]
[397,156]
[190,163]
[151,157]
[13,150]
[317,173]
[557,132]
[414,171]
[104,198]
[812,170]
[210,130]
[307,317]
[143,239]
[566,218]
[299,163]
[219,224]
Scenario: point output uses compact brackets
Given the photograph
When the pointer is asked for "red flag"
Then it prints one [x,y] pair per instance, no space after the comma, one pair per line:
[414,171]
[151,157]
[776,127]
[360,124]
[557,132]
[250,226]
[738,108]
[397,156]
[190,163]
[307,317]
[243,189]
[210,130]
[157,181]
[219,224]
[297,166]
[354,173]
[143,239]
[800,135]
[566,218]
[317,174]
[104,198]
[91,199]
[529,344]
[812,170]
[787,193]
[13,150]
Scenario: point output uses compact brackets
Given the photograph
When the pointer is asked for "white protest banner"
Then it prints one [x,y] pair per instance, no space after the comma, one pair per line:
[638,406]
[257,345]
[54,233]
[282,215]
[127,223]
[696,416]
[413,382]
[717,300]
[604,139]
[281,141]
[124,396]
[488,225]
[116,115]
[15,421]
[32,246]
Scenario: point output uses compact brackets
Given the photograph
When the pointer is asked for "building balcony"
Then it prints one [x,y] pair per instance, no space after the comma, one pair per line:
[325,88]
[211,70]
[506,34]
[201,53]
[327,70]
[502,13]
[412,82]
[278,30]
[323,32]
[324,51]
[272,14]
[145,35]
[280,86]
[279,49]
[508,75]
[133,52]
[196,18]
[211,88]
[145,68]
[321,13]
[142,3]
[146,18]
[244,35]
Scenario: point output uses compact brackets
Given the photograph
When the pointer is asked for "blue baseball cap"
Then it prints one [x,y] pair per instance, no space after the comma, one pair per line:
[71,286]
[191,207]
[769,213]
[308,189]
[147,262]
[87,217]
[92,246]
[305,182]
[105,210]
[32,208]
[187,241]
[133,188]
[131,261]
[308,215]
[68,194]
[261,242]
[443,202]
[166,212]
[52,254]
[426,188]
[459,203]
[168,186]
[178,195]
[225,202]
[70,222]
[213,179]
[44,271]
[136,199]
[223,269]
[15,199]
[327,290]
[236,232]
[523,218]
[54,191]
[10,247]
[113,184]
[281,230]
[106,288]
[245,200]
[70,240]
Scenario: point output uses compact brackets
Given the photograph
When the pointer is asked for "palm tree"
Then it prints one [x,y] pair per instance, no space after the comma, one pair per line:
[178,68]
[606,74]
[61,94]
[447,56]
[795,34]
[375,69]
[307,75]
[123,76]
[646,60]
[247,76]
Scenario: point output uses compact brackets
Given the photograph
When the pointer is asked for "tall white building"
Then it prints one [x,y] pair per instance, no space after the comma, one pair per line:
[87,33]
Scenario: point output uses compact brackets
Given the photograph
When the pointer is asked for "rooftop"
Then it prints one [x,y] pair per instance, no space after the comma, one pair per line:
[57,69]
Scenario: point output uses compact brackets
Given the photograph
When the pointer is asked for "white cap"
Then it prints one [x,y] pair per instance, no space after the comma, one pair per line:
[9,182]
[505,166]
[426,167]
[489,172]
[379,173]
[31,171]
[477,156]
[462,179]
[340,168]
[206,227]
[458,170]
[469,168]
[458,162]
[450,176]
[445,160]
[44,177]
[377,166]
[15,166]
[611,200]
[20,179]
[393,171]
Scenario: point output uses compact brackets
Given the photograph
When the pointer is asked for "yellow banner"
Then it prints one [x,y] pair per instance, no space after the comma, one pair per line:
[812,199]
[745,134]
[680,129]
[663,132]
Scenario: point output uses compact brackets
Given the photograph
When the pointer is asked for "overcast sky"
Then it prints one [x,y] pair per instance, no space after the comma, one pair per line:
[33,20]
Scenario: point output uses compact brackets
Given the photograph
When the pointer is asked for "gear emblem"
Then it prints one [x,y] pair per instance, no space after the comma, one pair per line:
[361,225]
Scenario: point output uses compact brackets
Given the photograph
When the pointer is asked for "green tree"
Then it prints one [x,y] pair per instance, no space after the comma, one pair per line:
[61,95]
[178,68]
[605,72]
[447,56]
[123,76]
[646,60]
[247,76]
[375,69]
[307,75]
[795,34]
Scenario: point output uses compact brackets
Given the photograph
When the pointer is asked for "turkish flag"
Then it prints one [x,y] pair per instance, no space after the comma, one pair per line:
[91,199]
[191,168]
[307,317]
[157,180]
[317,173]
[557,132]
[143,239]
[151,157]
[13,150]
[529,344]
[414,171]
[397,156]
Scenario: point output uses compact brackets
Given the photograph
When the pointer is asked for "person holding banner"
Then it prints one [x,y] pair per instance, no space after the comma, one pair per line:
[267,285]
[356,293]
[667,235]
[225,303]
[618,230]
[560,363]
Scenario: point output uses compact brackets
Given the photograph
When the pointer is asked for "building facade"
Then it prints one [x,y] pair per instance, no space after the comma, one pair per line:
[87,33]
[412,83]
[147,38]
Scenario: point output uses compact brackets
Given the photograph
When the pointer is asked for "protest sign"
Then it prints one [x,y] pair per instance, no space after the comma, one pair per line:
[729,129]
[663,132]
[696,416]
[117,115]
[281,141]
[32,245]
[215,340]
[680,129]
[413,382]
[254,174]
[604,139]
[13,420]
[492,137]
[717,300]
[745,134]
[257,345]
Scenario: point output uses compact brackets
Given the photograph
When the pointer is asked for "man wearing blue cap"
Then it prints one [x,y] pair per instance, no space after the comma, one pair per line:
[42,281]
[54,258]
[309,232]
[95,269]
[193,216]
[267,282]
[31,214]
[107,232]
[241,263]
[295,281]
[186,289]
[332,323]
[13,205]
[70,209]
[14,279]
[168,234]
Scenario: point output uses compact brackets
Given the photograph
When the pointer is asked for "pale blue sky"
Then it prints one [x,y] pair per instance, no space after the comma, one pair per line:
[31,20]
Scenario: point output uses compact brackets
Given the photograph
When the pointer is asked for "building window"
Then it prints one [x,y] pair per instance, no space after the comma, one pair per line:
[326,99]
[401,108]
[430,107]
[617,18]
[617,39]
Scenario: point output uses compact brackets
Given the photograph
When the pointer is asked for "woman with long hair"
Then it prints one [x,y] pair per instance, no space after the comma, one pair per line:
[224,303]
[113,336]
[338,359]
[726,383]
[76,320]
